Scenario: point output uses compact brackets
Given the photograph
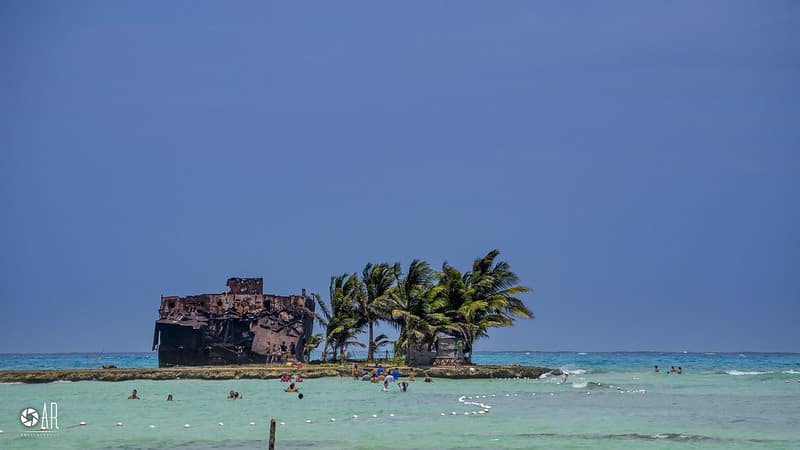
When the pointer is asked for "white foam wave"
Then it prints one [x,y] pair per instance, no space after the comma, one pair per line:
[580,385]
[791,372]
[582,353]
[739,372]
[576,371]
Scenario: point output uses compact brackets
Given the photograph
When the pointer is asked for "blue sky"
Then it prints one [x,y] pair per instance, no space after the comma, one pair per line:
[635,162]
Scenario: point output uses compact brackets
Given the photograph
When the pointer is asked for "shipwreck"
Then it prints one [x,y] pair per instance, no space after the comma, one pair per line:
[240,326]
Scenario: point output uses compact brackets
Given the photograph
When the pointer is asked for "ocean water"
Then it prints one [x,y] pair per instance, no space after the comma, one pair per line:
[610,400]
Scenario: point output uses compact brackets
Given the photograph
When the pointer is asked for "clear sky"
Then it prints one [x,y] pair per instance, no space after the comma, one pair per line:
[635,162]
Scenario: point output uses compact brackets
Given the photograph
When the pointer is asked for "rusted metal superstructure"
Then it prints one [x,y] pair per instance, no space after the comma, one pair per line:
[243,325]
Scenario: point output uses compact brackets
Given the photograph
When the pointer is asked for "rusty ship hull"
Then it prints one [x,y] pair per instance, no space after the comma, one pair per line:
[240,326]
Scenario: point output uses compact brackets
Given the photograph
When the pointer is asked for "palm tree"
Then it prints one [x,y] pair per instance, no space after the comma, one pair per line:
[339,319]
[325,319]
[411,306]
[313,342]
[345,292]
[381,341]
[376,281]
[482,298]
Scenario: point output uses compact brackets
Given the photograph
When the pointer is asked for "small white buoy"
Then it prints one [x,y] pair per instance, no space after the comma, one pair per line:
[391,415]
[252,424]
[375,416]
[355,416]
[466,413]
[333,420]
[442,414]
[83,424]
[119,424]
[494,395]
[186,425]
[508,395]
[453,413]
[308,420]
[283,423]
[220,424]
[151,426]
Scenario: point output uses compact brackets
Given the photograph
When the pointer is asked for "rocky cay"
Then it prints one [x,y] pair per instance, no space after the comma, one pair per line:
[259,372]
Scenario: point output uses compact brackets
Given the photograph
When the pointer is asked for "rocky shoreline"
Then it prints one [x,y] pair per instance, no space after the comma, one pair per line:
[258,372]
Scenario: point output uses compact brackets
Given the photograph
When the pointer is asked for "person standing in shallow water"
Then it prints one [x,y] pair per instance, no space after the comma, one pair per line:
[134,395]
[657,369]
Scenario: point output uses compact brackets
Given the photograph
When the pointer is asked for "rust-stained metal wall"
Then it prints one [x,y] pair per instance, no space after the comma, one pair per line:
[213,328]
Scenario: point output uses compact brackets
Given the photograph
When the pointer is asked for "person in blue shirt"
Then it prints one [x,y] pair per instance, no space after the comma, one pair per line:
[396,373]
[380,370]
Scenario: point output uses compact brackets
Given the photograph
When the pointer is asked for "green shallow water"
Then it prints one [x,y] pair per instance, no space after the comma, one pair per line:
[641,410]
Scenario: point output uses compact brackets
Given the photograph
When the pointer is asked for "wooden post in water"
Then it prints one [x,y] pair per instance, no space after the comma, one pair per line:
[272,434]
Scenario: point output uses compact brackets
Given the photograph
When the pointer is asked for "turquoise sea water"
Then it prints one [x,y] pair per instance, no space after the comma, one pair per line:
[610,400]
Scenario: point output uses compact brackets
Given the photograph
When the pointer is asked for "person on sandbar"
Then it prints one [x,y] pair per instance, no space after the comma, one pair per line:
[134,395]
[291,388]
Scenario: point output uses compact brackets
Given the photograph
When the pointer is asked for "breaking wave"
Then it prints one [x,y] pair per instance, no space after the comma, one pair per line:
[739,372]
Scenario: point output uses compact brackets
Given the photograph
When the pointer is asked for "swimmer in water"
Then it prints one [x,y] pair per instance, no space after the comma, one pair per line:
[680,370]
[291,388]
[231,394]
[385,387]
[411,377]
[134,395]
[428,378]
[169,397]
[657,369]
[403,386]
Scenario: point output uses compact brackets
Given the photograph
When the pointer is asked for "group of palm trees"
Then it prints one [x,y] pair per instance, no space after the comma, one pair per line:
[420,303]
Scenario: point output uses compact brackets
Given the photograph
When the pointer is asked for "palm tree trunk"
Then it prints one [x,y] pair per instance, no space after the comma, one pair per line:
[371,349]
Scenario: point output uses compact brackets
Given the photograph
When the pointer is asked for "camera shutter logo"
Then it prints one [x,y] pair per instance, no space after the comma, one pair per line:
[29,417]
